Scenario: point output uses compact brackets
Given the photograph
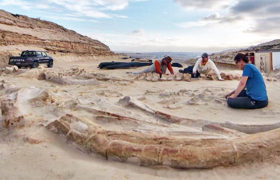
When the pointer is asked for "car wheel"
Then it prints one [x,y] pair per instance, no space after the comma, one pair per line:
[35,64]
[19,67]
[50,64]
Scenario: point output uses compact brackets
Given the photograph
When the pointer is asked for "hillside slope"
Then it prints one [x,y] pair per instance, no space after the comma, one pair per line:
[19,30]
[226,57]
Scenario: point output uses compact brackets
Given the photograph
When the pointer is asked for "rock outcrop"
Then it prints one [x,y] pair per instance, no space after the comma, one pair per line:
[29,32]
[271,45]
[226,57]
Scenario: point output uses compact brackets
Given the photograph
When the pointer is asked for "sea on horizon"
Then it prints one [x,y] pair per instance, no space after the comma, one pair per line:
[176,56]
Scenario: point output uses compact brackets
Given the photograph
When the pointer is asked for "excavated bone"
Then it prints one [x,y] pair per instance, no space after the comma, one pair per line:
[229,76]
[225,76]
[222,130]
[67,80]
[155,77]
[149,78]
[32,140]
[113,116]
[243,128]
[175,152]
[76,76]
[248,129]
[114,79]
[251,129]
[42,76]
[211,76]
[178,77]
[129,101]
[140,77]
[42,99]
[187,77]
[11,69]
[182,77]
[10,114]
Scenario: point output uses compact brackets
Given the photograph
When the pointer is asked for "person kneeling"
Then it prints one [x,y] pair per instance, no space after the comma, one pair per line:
[159,67]
[251,91]
[202,66]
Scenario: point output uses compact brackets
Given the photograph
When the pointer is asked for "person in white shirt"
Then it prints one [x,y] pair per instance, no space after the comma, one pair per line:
[202,66]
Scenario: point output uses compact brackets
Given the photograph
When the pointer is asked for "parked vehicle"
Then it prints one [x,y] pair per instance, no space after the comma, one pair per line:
[31,59]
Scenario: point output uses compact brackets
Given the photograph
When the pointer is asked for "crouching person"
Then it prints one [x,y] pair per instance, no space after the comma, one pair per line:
[159,67]
[251,91]
[202,66]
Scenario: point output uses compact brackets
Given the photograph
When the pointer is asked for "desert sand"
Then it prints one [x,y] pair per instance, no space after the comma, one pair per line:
[76,86]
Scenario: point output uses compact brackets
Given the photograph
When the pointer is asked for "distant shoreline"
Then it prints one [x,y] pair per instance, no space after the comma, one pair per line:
[177,56]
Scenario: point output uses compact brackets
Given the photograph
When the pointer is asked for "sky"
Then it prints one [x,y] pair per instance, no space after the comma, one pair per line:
[161,25]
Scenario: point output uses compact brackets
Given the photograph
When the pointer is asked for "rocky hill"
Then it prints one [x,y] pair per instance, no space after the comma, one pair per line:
[271,45]
[29,33]
[226,57]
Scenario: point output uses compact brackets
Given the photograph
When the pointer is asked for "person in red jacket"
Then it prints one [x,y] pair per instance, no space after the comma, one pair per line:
[159,66]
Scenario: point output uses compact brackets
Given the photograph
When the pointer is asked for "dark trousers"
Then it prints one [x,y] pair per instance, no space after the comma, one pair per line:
[189,70]
[243,101]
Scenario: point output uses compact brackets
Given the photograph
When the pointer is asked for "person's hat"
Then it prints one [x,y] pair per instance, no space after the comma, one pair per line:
[204,55]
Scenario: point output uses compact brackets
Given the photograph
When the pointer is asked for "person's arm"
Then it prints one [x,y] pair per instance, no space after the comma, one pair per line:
[240,87]
[195,68]
[169,66]
[214,67]
[157,67]
[229,94]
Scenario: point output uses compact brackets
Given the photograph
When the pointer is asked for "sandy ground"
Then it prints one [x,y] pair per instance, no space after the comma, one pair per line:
[33,152]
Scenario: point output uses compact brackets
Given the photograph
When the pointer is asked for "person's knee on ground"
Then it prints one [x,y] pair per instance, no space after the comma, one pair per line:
[196,75]
[245,103]
[181,71]
[189,70]
[239,103]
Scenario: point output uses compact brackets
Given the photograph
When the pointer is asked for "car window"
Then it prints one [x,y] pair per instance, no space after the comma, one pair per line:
[39,53]
[33,53]
[27,53]
[44,54]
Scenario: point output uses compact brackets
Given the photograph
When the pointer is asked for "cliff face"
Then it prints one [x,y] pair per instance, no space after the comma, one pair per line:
[29,32]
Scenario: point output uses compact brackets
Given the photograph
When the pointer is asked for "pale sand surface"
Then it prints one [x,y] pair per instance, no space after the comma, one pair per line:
[54,158]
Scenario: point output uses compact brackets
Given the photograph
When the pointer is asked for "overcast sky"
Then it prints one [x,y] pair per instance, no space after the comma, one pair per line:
[161,25]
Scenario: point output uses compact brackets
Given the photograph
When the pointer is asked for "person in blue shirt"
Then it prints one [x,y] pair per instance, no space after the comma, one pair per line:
[251,91]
